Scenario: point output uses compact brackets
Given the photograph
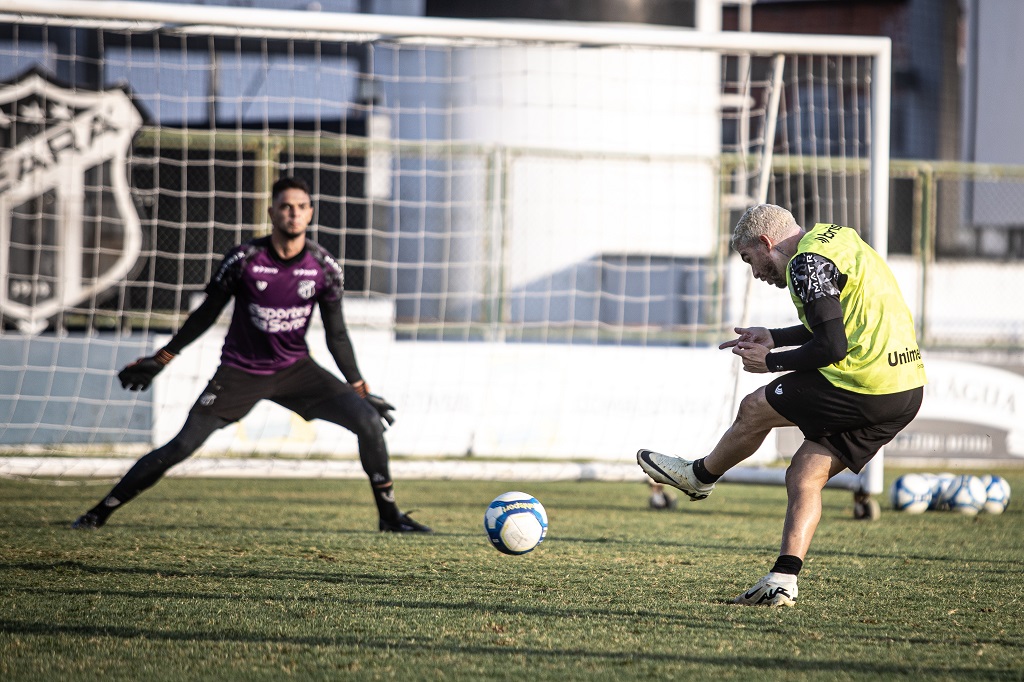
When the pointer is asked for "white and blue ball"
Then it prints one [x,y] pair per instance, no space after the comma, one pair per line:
[965,494]
[997,493]
[911,493]
[515,523]
[939,484]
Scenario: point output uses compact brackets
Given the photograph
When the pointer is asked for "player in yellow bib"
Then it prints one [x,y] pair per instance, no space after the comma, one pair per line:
[854,376]
[881,353]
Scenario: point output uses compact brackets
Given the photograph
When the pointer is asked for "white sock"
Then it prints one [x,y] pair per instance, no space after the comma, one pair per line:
[788,578]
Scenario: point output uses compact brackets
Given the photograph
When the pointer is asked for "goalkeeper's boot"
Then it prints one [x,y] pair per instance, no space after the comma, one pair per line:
[403,524]
[674,471]
[88,521]
[775,589]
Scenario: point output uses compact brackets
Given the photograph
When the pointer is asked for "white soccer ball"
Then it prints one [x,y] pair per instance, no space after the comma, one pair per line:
[911,493]
[997,493]
[965,494]
[515,523]
[939,484]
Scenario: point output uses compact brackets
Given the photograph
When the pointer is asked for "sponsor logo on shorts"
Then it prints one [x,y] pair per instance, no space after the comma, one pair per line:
[778,390]
[207,399]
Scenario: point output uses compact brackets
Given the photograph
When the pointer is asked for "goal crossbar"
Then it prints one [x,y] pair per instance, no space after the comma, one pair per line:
[377,26]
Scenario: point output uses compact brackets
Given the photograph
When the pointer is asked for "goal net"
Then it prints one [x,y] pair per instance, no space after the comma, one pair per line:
[533,220]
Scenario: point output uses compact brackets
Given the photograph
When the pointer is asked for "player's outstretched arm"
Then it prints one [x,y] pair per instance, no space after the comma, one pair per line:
[199,320]
[140,374]
[340,345]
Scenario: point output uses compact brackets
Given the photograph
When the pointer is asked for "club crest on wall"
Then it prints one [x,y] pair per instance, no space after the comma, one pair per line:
[68,227]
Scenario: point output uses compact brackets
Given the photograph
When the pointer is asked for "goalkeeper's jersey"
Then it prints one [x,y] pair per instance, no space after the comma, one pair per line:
[274,301]
[883,356]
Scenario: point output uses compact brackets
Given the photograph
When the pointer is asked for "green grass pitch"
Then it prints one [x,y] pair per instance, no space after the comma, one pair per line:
[289,580]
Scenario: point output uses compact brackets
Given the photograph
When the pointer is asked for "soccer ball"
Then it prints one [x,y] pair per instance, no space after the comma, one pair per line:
[965,494]
[939,484]
[515,523]
[911,493]
[998,493]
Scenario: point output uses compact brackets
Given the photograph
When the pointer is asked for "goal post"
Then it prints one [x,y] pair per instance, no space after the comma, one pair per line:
[532,217]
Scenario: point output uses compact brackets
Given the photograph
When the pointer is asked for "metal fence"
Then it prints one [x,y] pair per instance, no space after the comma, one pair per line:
[949,210]
[956,230]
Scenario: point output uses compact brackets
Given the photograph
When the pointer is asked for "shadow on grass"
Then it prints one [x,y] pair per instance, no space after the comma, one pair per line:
[575,502]
[473,538]
[576,656]
[684,543]
[143,528]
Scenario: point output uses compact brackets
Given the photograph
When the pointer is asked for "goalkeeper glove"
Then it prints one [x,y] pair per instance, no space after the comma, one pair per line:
[383,408]
[139,375]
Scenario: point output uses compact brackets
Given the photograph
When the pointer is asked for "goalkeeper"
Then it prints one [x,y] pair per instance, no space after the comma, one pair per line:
[854,382]
[275,281]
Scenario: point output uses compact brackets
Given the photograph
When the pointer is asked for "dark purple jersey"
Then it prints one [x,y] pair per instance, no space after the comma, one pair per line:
[274,301]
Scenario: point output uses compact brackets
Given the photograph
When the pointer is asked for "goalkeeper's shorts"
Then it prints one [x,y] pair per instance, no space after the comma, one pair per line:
[232,392]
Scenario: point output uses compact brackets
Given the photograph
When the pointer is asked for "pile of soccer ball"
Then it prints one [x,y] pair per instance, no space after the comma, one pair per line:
[917,493]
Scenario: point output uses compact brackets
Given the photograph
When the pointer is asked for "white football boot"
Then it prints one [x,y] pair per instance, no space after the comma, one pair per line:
[674,471]
[775,589]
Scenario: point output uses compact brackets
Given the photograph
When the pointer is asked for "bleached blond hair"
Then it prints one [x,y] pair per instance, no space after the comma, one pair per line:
[763,219]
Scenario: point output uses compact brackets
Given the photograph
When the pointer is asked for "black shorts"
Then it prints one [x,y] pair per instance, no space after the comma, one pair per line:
[232,392]
[853,426]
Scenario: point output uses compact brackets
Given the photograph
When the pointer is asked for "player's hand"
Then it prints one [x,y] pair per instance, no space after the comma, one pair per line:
[753,356]
[139,375]
[361,388]
[383,407]
[758,335]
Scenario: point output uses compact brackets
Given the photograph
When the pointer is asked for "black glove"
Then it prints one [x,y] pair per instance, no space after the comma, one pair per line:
[139,375]
[383,407]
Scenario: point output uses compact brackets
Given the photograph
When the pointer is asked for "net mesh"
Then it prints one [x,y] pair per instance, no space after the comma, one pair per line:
[525,226]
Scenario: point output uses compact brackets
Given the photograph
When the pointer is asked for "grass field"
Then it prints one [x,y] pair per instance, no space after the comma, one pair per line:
[271,580]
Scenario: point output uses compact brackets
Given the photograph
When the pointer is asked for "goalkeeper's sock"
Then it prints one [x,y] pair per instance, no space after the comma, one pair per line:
[788,564]
[104,509]
[384,496]
[702,474]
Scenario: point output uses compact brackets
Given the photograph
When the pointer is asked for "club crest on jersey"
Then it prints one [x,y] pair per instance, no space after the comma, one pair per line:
[63,191]
[307,288]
